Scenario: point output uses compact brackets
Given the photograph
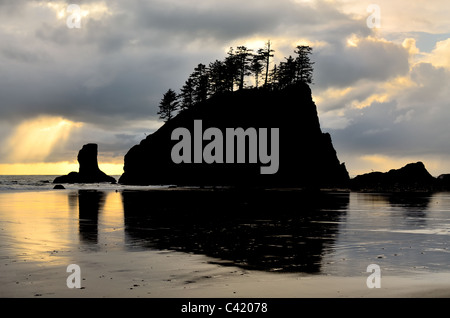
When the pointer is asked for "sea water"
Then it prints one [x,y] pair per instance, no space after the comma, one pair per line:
[340,233]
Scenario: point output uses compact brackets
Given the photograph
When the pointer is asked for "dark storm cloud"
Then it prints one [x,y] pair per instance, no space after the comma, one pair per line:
[372,132]
[222,22]
[414,124]
[118,65]
[23,55]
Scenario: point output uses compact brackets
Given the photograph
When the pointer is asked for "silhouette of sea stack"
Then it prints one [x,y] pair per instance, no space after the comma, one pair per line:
[307,157]
[443,182]
[412,177]
[89,172]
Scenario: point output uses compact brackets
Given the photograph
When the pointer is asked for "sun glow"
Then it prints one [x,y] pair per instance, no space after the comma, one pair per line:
[353,40]
[34,140]
[47,169]
[383,163]
[55,168]
[96,9]
[375,98]
[331,94]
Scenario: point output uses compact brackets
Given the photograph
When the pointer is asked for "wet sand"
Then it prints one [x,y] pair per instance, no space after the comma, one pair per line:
[169,274]
[42,233]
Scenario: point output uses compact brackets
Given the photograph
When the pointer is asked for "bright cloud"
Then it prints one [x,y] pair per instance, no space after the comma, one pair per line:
[440,56]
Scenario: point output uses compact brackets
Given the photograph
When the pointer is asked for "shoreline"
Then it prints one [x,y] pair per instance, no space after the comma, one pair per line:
[46,185]
[111,275]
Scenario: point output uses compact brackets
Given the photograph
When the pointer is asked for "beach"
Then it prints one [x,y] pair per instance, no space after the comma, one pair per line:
[174,275]
[188,150]
[129,256]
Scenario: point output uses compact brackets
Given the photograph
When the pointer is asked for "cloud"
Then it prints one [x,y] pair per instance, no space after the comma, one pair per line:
[36,139]
[412,124]
[124,57]
[113,142]
[400,117]
[440,56]
[404,16]
[365,59]
[379,91]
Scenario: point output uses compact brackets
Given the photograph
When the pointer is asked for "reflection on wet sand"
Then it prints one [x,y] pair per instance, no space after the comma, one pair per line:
[413,205]
[410,200]
[286,231]
[90,203]
[264,230]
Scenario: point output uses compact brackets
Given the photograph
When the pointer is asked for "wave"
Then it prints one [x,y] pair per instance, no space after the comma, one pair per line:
[16,183]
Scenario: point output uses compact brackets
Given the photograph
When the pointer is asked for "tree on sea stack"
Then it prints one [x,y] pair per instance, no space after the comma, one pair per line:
[187,94]
[243,59]
[266,53]
[256,66]
[168,105]
[304,64]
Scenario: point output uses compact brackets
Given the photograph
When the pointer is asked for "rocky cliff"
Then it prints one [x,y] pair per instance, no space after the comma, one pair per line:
[89,172]
[306,155]
[412,177]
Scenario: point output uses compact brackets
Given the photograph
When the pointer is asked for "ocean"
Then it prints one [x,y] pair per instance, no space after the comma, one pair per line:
[169,242]
[43,182]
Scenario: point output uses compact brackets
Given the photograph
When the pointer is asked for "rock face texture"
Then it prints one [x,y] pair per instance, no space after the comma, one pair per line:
[307,157]
[413,176]
[89,172]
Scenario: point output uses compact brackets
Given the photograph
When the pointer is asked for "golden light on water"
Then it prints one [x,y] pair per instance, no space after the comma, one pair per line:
[48,210]
[44,226]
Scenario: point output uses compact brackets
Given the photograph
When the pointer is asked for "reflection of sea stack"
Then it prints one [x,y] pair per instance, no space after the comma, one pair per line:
[259,229]
[90,203]
[89,172]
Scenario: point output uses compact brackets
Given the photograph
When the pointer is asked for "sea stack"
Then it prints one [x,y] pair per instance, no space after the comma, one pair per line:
[306,155]
[412,177]
[89,172]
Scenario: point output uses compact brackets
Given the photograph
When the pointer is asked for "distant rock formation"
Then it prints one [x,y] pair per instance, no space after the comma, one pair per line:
[307,157]
[412,177]
[89,171]
[443,181]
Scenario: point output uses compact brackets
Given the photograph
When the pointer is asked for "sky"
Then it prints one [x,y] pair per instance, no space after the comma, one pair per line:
[381,74]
